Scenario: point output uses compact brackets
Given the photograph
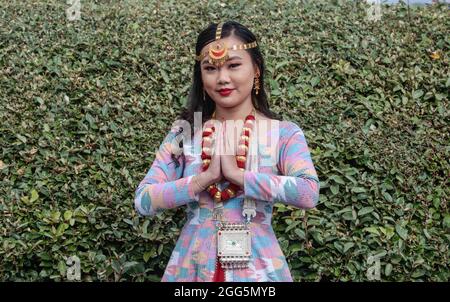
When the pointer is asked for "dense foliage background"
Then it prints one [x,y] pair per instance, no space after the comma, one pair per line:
[85,104]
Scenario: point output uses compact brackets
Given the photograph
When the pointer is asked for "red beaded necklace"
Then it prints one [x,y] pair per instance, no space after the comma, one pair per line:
[243,145]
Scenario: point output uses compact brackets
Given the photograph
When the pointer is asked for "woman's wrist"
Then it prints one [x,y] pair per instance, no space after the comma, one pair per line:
[202,181]
[198,185]
[237,177]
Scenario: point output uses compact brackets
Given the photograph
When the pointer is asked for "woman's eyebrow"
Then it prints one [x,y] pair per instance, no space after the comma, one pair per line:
[229,59]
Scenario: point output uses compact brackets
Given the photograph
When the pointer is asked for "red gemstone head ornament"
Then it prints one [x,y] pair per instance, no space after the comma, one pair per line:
[218,51]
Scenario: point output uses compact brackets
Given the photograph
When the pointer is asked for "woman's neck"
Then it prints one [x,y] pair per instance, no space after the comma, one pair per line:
[238,112]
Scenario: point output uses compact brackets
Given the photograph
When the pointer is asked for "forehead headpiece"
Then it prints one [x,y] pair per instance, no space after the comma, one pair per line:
[218,51]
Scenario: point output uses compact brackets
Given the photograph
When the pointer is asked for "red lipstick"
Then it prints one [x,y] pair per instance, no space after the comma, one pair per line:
[225,92]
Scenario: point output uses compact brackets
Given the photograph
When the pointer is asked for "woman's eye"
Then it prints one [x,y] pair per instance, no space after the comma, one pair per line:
[209,68]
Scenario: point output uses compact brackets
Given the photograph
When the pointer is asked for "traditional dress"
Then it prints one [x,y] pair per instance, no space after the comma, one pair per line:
[284,173]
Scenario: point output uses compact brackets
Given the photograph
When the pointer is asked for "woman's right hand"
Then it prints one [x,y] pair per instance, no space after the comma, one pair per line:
[212,175]
[214,172]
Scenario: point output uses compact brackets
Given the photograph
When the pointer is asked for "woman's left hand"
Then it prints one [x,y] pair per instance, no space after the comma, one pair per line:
[231,171]
[229,167]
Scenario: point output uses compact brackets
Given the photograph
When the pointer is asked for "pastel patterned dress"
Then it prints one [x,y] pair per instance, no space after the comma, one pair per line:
[285,173]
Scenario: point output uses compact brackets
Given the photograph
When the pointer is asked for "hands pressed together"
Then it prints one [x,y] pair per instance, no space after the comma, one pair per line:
[223,165]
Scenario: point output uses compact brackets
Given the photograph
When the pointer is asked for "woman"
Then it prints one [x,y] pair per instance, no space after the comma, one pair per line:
[229,197]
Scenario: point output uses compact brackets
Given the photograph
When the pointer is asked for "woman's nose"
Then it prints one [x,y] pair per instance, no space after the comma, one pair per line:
[224,76]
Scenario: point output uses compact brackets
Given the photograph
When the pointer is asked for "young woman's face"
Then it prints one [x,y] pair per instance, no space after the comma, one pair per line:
[237,73]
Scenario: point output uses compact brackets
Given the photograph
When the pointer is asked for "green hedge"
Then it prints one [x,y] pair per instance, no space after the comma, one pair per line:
[85,104]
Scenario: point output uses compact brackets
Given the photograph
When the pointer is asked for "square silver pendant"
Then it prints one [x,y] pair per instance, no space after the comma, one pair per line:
[234,243]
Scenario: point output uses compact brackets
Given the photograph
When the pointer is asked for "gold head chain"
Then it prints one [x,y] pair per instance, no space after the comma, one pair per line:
[218,51]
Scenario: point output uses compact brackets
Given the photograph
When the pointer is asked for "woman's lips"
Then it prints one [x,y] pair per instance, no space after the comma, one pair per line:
[225,92]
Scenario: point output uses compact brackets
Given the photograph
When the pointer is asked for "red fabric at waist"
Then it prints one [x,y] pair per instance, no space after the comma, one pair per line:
[219,275]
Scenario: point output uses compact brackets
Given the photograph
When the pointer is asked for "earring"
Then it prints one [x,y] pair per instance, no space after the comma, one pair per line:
[204,98]
[257,84]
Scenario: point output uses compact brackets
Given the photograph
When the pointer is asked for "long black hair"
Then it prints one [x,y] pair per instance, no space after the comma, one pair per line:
[195,102]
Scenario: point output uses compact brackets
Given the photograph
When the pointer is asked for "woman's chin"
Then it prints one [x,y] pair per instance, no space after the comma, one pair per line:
[226,104]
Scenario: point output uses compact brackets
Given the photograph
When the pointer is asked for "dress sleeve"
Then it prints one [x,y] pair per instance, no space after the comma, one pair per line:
[163,186]
[298,185]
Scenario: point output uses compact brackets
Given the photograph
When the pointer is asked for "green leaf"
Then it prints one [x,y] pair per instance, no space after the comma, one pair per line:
[365,210]
[55,216]
[67,215]
[358,190]
[338,179]
[131,267]
[165,76]
[145,226]
[439,96]
[25,199]
[300,233]
[373,230]
[22,138]
[115,265]
[402,232]
[388,231]
[334,189]
[388,269]
[348,246]
[62,268]
[61,228]
[338,246]
[417,93]
[349,215]
[128,221]
[418,273]
[446,221]
[293,225]
[295,247]
[314,81]
[387,196]
[281,64]
[147,255]
[160,249]
[154,278]
[45,256]
[34,196]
